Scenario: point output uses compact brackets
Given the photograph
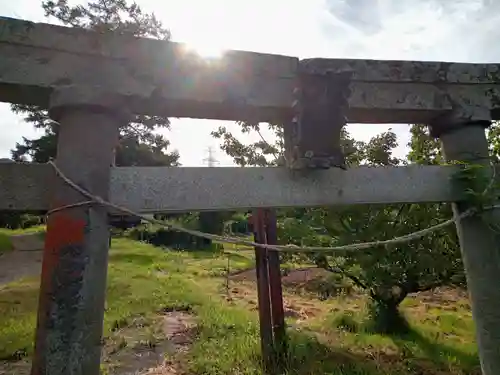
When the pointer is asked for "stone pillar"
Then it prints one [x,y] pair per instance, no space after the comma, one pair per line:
[75,261]
[480,245]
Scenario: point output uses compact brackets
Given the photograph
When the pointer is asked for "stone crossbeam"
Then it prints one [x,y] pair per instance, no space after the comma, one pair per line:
[164,78]
[26,187]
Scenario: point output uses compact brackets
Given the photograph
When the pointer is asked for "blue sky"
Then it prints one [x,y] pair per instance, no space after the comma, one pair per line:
[448,30]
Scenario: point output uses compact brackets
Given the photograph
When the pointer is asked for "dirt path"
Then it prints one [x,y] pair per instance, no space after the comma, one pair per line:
[27,242]
[24,260]
[18,264]
[141,348]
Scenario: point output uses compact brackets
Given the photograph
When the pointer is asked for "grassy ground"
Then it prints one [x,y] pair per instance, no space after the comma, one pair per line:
[34,229]
[5,243]
[144,280]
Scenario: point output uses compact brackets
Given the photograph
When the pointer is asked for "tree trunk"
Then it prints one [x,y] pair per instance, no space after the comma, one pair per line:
[385,315]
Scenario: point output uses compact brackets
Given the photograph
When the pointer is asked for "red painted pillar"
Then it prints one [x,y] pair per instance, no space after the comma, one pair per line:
[73,285]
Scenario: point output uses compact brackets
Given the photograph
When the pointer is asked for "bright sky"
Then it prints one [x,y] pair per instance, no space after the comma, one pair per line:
[448,30]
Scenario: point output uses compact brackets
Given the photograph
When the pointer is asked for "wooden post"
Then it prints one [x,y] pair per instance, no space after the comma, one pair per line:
[479,242]
[276,293]
[75,261]
[263,292]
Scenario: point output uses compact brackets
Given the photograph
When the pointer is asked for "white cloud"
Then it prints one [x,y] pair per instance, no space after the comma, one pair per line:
[460,30]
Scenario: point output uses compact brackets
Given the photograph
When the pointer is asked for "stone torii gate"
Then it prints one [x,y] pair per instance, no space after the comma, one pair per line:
[92,83]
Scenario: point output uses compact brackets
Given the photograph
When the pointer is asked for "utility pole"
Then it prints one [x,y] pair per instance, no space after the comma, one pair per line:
[211,159]
[208,219]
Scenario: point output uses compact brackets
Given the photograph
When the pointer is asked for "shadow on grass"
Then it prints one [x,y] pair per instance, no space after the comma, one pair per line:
[439,353]
[308,355]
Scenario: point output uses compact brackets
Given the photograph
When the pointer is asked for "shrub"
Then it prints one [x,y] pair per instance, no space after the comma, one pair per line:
[172,239]
[16,220]
[332,286]
[240,226]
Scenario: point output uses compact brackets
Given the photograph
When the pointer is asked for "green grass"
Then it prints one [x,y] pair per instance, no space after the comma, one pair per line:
[34,229]
[438,338]
[142,280]
[5,244]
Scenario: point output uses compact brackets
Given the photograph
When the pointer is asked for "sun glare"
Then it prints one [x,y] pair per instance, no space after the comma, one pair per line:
[206,50]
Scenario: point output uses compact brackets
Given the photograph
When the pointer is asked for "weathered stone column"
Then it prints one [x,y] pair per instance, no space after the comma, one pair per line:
[480,244]
[75,261]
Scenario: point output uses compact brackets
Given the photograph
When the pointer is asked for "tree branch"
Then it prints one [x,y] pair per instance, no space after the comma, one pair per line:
[346,227]
[397,220]
[267,143]
[344,273]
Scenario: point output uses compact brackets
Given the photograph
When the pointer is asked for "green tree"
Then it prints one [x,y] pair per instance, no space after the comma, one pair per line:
[424,149]
[390,274]
[118,16]
[494,141]
[387,274]
[139,145]
[132,152]
[260,153]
